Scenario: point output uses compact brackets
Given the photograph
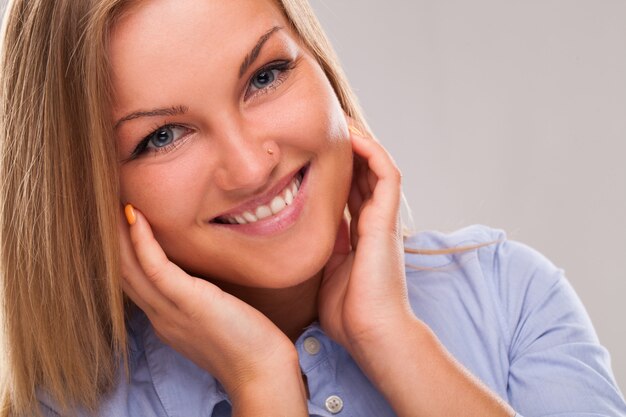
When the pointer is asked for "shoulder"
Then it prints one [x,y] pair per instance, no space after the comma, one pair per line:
[481,262]
[464,285]
[474,287]
[514,273]
[511,317]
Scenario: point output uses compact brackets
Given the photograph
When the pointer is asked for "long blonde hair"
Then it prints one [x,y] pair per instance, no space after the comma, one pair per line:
[62,305]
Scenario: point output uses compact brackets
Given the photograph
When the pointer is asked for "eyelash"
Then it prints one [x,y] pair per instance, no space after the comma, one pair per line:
[142,146]
[284,66]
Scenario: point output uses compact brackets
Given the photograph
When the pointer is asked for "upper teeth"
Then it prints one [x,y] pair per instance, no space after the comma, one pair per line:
[278,203]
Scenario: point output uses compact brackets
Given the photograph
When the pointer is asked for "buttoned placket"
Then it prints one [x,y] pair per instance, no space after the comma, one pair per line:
[314,349]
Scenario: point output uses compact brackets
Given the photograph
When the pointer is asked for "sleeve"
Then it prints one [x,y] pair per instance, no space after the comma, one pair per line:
[557,366]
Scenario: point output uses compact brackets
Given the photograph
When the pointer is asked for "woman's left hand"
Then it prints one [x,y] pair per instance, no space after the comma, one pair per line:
[363,303]
[363,293]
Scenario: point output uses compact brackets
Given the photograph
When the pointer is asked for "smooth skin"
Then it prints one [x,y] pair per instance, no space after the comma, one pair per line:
[225,318]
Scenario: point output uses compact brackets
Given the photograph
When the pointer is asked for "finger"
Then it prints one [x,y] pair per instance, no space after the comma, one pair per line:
[360,177]
[355,202]
[134,282]
[372,180]
[170,281]
[366,180]
[387,177]
[376,157]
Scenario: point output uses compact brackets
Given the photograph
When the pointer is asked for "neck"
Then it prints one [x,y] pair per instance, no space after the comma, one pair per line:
[290,309]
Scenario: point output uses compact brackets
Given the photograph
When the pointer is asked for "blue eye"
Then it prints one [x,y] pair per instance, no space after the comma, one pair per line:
[269,77]
[264,78]
[164,136]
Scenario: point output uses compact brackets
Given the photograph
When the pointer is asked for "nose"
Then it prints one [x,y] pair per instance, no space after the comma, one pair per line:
[246,161]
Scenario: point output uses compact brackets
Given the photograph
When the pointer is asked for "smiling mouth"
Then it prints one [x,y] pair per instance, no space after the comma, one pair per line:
[283,199]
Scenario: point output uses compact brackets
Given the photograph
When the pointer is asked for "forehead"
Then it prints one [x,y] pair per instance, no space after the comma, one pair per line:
[163,18]
[158,38]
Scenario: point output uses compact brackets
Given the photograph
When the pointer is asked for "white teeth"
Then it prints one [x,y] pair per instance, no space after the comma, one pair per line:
[251,218]
[277,205]
[288,196]
[263,212]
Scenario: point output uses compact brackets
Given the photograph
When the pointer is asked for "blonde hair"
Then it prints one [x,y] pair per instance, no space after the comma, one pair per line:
[62,304]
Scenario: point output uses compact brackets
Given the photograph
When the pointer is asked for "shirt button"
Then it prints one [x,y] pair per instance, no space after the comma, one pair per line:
[312,345]
[334,404]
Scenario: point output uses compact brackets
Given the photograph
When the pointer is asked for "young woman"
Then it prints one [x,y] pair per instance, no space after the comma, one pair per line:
[229,135]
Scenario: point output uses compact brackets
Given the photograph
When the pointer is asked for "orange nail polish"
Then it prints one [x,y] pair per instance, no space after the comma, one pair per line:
[355,131]
[129,211]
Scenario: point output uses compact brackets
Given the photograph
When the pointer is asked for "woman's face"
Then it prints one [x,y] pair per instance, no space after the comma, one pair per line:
[222,116]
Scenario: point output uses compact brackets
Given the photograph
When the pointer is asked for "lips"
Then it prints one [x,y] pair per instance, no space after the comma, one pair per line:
[271,203]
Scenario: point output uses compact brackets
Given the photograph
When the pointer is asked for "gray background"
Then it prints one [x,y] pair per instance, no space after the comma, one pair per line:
[510,114]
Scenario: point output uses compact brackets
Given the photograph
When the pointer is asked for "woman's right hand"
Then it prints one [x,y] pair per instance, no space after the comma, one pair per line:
[228,338]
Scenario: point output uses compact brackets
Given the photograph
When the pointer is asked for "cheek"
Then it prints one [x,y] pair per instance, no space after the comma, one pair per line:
[315,122]
[307,116]
[166,193]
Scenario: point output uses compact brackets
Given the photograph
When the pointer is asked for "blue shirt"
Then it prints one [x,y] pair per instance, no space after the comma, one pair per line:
[503,310]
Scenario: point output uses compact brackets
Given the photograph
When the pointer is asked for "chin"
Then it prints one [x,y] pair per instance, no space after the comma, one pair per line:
[294,257]
[284,265]
[300,265]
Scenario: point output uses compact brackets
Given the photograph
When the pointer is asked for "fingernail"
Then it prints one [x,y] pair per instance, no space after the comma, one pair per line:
[129,211]
[355,131]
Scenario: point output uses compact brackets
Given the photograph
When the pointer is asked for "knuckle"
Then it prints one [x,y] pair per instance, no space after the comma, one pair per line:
[153,273]
[153,276]
[156,269]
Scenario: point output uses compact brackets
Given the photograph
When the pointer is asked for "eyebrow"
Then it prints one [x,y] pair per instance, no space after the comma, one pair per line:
[177,110]
[254,53]
[167,111]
